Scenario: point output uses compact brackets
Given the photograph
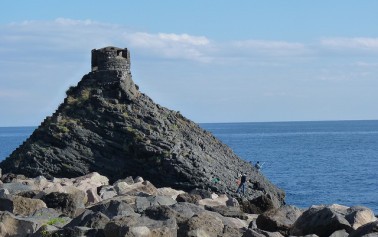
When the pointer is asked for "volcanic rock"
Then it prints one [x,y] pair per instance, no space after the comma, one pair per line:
[105,124]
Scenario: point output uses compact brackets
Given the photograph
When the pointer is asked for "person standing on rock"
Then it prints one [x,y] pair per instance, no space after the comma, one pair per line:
[242,185]
[258,166]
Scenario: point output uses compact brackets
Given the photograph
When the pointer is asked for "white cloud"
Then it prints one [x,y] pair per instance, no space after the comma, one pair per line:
[350,43]
[182,46]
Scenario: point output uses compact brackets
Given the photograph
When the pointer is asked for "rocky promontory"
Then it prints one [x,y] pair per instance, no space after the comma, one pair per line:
[106,125]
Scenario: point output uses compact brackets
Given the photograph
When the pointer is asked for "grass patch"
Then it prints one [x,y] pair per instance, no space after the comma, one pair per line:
[57,220]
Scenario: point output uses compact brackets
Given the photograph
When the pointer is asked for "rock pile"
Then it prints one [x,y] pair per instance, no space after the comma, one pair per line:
[133,207]
[106,125]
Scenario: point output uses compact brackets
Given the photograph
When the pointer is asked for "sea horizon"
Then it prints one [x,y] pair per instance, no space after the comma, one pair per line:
[283,121]
[314,162]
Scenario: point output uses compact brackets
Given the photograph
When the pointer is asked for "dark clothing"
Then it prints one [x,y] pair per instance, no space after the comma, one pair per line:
[242,185]
[243,179]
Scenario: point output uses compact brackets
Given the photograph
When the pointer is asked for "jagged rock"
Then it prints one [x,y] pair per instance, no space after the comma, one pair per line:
[107,191]
[261,233]
[138,179]
[15,188]
[4,193]
[8,177]
[65,202]
[232,202]
[234,223]
[79,231]
[201,192]
[217,201]
[20,205]
[51,217]
[322,221]
[10,225]
[140,226]
[257,205]
[142,203]
[29,194]
[45,230]
[278,220]
[234,212]
[120,206]
[232,232]
[123,188]
[358,216]
[186,197]
[367,230]
[90,219]
[105,124]
[203,224]
[173,193]
[339,233]
[26,206]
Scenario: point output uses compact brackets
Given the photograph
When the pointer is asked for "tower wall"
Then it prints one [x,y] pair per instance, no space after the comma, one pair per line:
[110,58]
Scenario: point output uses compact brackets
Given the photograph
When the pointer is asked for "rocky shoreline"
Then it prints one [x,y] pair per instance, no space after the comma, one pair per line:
[89,206]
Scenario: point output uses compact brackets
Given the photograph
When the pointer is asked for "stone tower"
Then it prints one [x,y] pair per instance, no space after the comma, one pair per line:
[111,58]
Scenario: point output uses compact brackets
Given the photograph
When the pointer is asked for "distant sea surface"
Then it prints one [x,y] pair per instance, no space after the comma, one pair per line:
[314,162]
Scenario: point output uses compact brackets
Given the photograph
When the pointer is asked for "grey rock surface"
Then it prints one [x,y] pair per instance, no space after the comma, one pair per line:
[367,230]
[278,220]
[322,221]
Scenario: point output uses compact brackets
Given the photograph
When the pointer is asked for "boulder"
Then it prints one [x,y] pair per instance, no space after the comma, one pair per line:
[229,231]
[90,219]
[261,233]
[216,201]
[45,230]
[29,194]
[257,205]
[67,203]
[170,192]
[187,210]
[10,225]
[339,233]
[20,205]
[140,226]
[14,188]
[322,221]
[107,191]
[26,206]
[234,212]
[203,224]
[367,230]
[121,206]
[138,179]
[79,231]
[94,179]
[278,220]
[358,216]
[142,203]
[201,192]
[235,223]
[122,188]
[4,193]
[186,197]
[232,202]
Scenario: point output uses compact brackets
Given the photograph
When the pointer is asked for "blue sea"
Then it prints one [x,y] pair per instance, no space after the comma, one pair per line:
[314,162]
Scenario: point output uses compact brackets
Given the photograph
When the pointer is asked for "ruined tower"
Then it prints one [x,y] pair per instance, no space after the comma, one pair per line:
[111,58]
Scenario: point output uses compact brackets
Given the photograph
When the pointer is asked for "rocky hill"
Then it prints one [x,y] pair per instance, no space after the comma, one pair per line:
[105,124]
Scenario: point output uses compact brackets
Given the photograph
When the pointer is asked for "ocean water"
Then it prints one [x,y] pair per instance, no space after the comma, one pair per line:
[314,162]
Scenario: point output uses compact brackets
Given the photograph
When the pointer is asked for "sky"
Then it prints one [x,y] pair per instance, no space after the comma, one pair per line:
[214,61]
